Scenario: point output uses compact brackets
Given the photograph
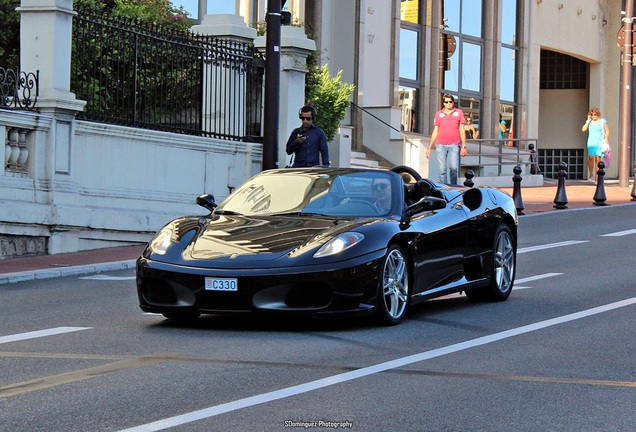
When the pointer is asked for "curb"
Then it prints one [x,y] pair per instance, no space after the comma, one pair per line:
[8,278]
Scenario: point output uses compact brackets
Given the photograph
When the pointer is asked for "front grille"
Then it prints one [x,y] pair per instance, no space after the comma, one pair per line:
[313,296]
[222,301]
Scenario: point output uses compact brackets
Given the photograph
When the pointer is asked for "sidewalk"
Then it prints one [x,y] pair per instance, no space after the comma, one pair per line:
[536,200]
[580,194]
[68,264]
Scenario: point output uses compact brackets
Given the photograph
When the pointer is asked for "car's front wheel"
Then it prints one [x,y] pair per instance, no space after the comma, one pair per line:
[503,269]
[394,287]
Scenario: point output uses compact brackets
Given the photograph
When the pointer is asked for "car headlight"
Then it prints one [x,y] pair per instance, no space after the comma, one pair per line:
[338,244]
[161,242]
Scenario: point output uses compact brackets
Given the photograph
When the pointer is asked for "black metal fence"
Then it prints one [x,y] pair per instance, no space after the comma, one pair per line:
[18,89]
[138,75]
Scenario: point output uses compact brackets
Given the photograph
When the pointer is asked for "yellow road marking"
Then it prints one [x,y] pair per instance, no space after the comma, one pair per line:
[80,375]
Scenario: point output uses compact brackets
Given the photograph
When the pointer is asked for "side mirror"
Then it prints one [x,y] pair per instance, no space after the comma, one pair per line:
[428,203]
[207,201]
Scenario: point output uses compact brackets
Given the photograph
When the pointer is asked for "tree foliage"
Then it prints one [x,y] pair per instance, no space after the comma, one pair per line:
[159,12]
[329,96]
[10,34]
[133,59]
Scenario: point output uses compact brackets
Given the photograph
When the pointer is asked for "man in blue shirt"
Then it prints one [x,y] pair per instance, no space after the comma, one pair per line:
[308,143]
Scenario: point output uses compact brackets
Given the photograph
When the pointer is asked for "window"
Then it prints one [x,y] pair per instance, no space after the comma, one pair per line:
[562,72]
[509,50]
[550,159]
[462,45]
[409,11]
[409,107]
[451,14]
[505,125]
[507,80]
[410,52]
[472,109]
[471,67]
[462,17]
[509,22]
[507,72]
[471,18]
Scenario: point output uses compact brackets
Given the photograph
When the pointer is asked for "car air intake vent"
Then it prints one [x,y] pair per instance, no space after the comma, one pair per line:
[313,297]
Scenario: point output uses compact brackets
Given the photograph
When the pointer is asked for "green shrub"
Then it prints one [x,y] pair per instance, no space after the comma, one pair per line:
[329,96]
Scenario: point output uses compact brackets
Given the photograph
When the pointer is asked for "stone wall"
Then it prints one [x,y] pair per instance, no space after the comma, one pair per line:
[69,185]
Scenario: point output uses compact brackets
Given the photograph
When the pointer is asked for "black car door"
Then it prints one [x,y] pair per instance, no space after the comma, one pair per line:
[439,247]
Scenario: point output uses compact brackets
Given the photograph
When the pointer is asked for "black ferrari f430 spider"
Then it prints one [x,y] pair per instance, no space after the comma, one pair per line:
[332,241]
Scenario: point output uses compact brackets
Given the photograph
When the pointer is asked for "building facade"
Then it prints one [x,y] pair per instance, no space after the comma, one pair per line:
[535,66]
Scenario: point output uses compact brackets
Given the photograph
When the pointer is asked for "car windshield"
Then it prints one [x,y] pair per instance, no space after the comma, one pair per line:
[335,193]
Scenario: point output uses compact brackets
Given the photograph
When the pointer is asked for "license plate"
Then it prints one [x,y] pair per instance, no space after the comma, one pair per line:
[221,284]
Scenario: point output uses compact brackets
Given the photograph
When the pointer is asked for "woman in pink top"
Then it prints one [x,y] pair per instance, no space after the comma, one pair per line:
[450,136]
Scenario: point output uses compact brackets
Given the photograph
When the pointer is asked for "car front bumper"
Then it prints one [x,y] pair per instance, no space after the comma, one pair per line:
[346,288]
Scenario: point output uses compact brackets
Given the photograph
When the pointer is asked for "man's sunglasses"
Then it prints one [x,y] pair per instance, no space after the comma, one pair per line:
[380,186]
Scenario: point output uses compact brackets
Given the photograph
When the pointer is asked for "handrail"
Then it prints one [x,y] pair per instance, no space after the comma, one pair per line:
[19,89]
[503,152]
[405,136]
[526,156]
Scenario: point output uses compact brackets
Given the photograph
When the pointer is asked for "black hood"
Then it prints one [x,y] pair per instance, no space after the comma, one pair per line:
[238,239]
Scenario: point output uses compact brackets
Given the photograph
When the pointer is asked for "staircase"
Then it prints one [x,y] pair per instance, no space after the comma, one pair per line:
[368,159]
[360,160]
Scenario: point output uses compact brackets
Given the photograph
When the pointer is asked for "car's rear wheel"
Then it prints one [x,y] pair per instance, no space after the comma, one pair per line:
[394,287]
[503,269]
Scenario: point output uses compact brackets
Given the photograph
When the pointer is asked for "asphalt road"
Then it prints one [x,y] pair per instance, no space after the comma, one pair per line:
[77,354]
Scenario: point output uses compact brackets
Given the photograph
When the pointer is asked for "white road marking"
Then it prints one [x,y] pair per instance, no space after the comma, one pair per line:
[620,233]
[40,333]
[533,278]
[106,277]
[550,246]
[537,277]
[370,370]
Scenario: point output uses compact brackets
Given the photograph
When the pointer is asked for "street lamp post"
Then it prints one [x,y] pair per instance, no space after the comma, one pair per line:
[272,84]
[203,10]
[626,96]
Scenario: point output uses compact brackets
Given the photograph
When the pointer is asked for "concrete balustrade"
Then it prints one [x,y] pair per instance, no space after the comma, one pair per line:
[69,185]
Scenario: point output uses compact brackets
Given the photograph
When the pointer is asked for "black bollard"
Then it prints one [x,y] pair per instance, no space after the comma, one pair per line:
[516,189]
[633,194]
[469,178]
[561,198]
[599,195]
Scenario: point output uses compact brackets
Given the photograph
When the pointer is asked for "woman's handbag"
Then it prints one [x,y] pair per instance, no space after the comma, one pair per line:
[605,147]
[607,153]
[607,158]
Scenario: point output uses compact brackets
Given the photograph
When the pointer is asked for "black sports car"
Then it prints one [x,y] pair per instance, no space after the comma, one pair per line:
[331,241]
